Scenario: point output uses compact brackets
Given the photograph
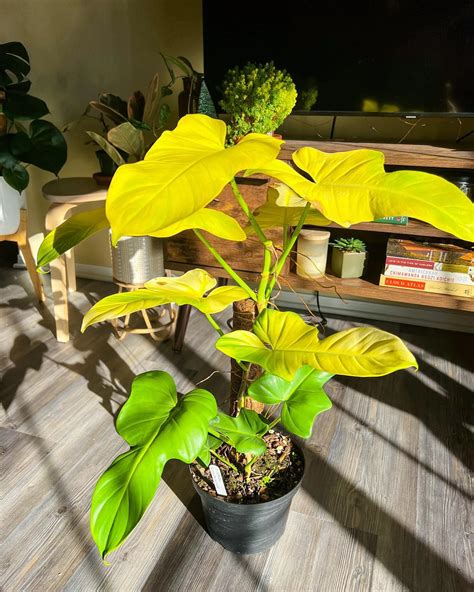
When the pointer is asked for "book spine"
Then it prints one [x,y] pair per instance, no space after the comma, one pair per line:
[444,277]
[408,250]
[427,286]
[425,264]
[398,220]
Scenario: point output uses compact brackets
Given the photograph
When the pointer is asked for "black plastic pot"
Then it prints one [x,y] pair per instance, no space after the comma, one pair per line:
[246,528]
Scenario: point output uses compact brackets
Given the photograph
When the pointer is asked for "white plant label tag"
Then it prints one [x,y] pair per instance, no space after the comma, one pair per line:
[218,481]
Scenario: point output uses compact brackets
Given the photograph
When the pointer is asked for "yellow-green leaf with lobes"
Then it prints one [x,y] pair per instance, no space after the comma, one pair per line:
[281,342]
[186,289]
[352,187]
[158,426]
[182,172]
[70,233]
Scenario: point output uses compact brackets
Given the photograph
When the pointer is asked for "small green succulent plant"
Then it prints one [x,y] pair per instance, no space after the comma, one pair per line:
[352,245]
[258,98]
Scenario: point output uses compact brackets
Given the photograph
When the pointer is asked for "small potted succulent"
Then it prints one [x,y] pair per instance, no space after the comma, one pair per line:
[258,99]
[246,468]
[348,257]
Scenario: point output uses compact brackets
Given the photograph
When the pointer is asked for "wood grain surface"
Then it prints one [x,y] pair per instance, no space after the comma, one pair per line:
[384,505]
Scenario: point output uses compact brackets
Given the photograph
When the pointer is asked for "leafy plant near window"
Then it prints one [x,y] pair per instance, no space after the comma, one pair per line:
[41,144]
[258,98]
[193,163]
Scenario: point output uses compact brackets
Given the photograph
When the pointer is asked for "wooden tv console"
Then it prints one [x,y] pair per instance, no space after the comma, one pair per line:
[185,252]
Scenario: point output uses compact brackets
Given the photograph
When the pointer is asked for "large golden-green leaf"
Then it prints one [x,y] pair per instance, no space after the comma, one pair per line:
[182,172]
[281,342]
[186,289]
[351,187]
[70,233]
[273,215]
[213,221]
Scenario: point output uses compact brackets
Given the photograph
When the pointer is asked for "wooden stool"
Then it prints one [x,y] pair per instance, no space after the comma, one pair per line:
[65,195]
[21,238]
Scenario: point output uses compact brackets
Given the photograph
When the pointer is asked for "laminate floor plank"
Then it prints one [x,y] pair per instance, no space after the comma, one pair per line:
[384,506]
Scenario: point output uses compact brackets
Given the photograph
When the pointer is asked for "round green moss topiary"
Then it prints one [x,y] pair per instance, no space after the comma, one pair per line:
[258,98]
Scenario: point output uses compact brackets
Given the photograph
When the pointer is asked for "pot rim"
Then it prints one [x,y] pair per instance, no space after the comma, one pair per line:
[292,491]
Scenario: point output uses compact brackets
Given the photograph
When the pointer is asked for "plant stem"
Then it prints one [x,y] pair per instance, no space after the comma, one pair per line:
[276,270]
[238,280]
[245,208]
[273,424]
[224,460]
[262,288]
[214,324]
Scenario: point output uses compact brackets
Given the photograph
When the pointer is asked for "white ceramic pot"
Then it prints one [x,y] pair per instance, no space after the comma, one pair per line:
[11,202]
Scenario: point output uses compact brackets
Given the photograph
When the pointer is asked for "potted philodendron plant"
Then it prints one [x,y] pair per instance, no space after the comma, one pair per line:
[170,191]
[258,98]
[40,144]
[348,257]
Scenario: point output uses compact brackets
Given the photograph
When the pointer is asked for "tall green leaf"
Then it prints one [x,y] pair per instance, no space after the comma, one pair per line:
[159,427]
[303,397]
[182,172]
[19,105]
[351,187]
[281,342]
[189,288]
[107,146]
[243,432]
[70,233]
[128,138]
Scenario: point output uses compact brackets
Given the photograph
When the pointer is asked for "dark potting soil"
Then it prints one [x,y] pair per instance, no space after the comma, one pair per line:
[274,474]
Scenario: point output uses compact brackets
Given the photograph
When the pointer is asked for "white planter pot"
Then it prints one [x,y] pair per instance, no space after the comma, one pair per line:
[11,202]
[137,259]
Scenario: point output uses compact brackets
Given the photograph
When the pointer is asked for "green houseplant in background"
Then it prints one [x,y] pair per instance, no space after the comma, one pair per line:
[37,143]
[348,257]
[128,129]
[193,163]
[258,99]
[41,143]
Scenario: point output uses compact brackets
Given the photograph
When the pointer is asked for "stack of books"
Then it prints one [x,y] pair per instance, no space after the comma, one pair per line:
[429,267]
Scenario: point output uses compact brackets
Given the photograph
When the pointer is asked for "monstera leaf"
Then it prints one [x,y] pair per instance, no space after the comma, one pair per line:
[70,233]
[281,342]
[351,187]
[273,215]
[243,432]
[182,173]
[187,289]
[158,426]
[303,397]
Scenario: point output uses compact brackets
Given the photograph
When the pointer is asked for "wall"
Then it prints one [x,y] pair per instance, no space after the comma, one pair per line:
[79,48]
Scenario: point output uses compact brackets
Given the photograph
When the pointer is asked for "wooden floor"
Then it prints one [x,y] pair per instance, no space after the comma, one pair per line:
[384,505]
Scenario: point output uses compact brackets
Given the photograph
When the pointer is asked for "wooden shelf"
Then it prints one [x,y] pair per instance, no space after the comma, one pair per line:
[414,227]
[370,290]
[407,155]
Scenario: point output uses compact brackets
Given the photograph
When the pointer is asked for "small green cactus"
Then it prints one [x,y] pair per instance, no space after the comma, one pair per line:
[352,245]
[258,98]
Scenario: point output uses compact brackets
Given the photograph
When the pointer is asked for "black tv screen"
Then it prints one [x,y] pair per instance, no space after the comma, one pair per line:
[381,56]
